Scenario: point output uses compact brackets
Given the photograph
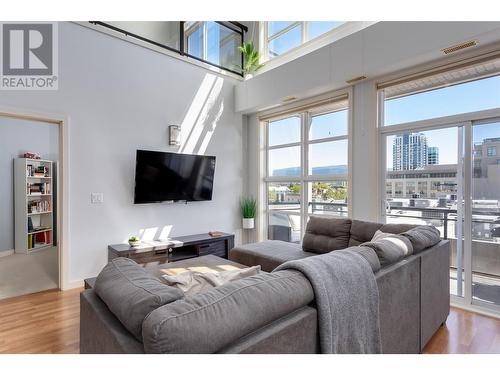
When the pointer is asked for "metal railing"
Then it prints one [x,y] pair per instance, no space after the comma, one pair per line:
[446,215]
[233,26]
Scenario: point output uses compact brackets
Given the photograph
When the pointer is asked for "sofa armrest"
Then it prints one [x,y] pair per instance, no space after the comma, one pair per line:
[434,289]
[100,331]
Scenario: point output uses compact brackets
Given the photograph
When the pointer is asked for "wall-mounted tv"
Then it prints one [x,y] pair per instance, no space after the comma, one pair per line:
[166,176]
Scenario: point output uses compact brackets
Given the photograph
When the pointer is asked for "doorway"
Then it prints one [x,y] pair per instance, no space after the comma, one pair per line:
[29,234]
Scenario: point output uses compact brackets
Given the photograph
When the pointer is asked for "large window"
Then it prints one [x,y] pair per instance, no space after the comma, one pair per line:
[307,168]
[283,36]
[440,168]
[212,42]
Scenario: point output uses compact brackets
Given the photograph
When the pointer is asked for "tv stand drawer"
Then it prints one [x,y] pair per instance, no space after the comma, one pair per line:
[214,248]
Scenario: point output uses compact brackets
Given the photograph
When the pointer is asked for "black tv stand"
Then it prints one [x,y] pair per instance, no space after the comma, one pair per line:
[175,249]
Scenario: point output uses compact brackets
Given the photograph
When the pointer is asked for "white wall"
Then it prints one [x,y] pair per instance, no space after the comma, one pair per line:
[16,138]
[121,97]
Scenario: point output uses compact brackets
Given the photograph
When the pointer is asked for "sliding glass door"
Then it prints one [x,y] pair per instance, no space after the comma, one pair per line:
[449,177]
[485,207]
[424,186]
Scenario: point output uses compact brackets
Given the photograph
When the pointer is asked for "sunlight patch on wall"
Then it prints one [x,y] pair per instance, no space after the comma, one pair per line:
[202,117]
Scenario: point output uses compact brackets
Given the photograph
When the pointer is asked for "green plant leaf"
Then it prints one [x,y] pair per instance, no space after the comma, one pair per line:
[248,207]
[251,58]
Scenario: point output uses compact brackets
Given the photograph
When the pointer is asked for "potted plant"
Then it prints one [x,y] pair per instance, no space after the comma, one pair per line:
[248,209]
[134,241]
[251,59]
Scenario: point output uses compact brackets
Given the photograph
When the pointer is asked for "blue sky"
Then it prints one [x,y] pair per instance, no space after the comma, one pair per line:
[472,96]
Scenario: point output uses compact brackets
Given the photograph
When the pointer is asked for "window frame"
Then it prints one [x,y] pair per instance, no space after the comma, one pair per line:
[491,151]
[304,178]
[266,38]
[232,25]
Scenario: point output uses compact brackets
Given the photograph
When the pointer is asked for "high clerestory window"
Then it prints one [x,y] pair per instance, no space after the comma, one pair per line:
[212,42]
[283,36]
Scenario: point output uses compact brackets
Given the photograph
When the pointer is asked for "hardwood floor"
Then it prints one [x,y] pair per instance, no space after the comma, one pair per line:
[466,332]
[48,322]
[45,322]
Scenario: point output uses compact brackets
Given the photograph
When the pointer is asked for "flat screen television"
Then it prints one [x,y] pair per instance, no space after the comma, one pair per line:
[166,176]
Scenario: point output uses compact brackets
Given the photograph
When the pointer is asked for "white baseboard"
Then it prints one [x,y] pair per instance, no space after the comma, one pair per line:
[5,253]
[73,285]
[477,309]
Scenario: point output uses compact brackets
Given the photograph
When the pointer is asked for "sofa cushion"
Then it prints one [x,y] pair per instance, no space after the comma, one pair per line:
[324,234]
[422,237]
[396,228]
[210,321]
[131,293]
[267,254]
[362,231]
[390,249]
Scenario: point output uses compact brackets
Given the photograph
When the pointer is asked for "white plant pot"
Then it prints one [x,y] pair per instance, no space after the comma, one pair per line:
[248,223]
[248,76]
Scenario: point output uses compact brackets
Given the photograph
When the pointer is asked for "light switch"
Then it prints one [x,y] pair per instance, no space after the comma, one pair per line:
[96,197]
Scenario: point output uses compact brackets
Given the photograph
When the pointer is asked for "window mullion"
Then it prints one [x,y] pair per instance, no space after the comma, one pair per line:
[305,170]
[205,40]
[304,31]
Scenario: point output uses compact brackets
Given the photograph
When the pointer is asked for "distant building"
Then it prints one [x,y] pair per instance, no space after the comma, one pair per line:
[432,181]
[485,154]
[409,151]
[432,155]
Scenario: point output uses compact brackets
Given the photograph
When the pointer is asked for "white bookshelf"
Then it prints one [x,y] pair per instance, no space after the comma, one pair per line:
[33,199]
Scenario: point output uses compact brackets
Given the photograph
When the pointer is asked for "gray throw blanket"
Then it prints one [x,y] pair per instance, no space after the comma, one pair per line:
[346,296]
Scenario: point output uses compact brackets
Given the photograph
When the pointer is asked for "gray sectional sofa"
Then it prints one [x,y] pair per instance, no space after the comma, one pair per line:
[131,311]
[414,291]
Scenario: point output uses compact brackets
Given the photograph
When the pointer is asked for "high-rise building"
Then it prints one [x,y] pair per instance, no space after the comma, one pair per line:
[409,151]
[432,155]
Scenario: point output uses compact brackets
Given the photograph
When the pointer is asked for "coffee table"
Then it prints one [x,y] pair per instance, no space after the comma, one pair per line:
[206,263]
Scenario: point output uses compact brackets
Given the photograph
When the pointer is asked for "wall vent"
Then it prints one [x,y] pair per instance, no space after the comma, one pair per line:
[459,47]
[288,99]
[355,79]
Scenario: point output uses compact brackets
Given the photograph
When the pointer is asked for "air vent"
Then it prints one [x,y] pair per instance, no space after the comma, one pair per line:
[459,47]
[289,99]
[355,79]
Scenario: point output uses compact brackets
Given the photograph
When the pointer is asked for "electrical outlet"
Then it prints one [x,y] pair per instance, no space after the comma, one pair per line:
[96,198]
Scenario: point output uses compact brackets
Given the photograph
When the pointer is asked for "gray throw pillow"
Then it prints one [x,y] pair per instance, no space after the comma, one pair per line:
[391,249]
[422,237]
[131,293]
[324,234]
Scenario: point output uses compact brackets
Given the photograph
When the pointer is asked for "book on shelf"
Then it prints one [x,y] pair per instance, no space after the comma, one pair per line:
[38,206]
[39,171]
[38,188]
